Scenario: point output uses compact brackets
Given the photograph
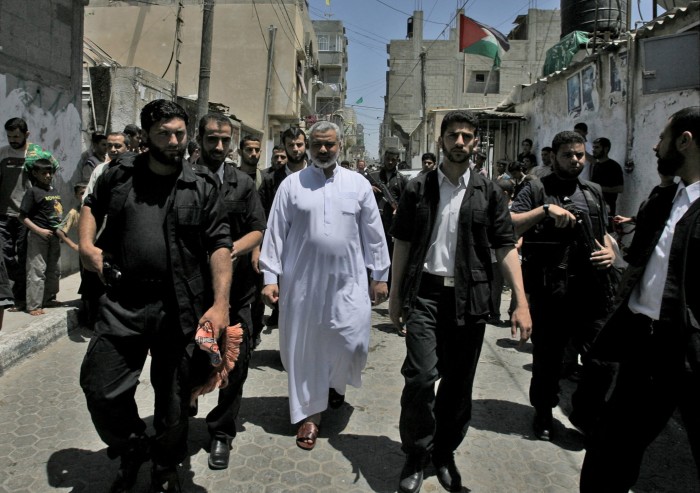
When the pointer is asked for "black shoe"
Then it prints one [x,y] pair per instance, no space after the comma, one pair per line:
[412,474]
[130,464]
[335,400]
[581,424]
[542,425]
[165,480]
[219,453]
[447,473]
[273,318]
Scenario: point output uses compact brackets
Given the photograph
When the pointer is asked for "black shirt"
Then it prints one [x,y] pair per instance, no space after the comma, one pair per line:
[608,174]
[43,207]
[144,248]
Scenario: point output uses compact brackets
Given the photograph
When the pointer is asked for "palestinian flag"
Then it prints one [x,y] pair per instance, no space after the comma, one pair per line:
[479,39]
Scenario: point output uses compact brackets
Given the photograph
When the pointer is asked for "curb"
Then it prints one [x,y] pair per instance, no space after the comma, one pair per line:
[36,335]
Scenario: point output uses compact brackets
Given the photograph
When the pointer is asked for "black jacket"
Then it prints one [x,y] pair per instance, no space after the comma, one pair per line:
[680,305]
[268,188]
[396,185]
[484,223]
[195,226]
[245,214]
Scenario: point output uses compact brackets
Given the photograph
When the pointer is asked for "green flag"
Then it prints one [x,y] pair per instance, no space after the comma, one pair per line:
[360,101]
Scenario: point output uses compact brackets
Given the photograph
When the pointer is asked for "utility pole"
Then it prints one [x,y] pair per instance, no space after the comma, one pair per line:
[423,96]
[178,45]
[205,58]
[270,66]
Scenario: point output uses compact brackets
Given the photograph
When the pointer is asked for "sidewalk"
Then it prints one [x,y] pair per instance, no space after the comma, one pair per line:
[22,334]
[48,442]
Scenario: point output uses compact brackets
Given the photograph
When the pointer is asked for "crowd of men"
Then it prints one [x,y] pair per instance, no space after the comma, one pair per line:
[178,240]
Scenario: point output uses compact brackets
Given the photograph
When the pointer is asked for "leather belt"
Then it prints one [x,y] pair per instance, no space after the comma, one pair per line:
[438,281]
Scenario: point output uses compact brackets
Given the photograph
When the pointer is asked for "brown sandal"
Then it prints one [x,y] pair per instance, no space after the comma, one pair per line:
[306,435]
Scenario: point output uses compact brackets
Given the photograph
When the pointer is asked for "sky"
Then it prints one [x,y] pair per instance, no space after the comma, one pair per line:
[371,24]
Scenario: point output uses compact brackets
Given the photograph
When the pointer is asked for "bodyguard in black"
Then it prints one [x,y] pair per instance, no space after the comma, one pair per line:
[396,183]
[247,222]
[654,331]
[566,294]
[167,245]
[446,224]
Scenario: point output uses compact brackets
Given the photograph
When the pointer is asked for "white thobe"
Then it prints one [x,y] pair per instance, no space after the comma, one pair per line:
[322,235]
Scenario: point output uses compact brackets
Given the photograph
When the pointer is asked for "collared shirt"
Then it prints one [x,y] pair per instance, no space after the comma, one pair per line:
[647,295]
[289,171]
[440,259]
[220,172]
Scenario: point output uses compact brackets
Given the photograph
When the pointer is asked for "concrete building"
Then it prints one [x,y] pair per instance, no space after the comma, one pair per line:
[426,75]
[41,45]
[331,83]
[333,64]
[248,37]
[625,92]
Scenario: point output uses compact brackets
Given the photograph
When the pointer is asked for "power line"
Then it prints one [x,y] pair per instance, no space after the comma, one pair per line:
[274,69]
[426,51]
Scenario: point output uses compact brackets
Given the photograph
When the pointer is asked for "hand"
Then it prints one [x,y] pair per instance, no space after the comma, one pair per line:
[255,259]
[91,257]
[603,258]
[218,316]
[376,189]
[622,220]
[378,292]
[396,310]
[44,233]
[521,318]
[562,217]
[271,294]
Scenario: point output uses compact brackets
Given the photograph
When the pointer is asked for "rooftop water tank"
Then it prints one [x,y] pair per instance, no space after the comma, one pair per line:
[580,15]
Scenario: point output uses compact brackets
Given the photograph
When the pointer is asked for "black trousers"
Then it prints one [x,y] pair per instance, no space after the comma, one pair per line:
[221,421]
[556,321]
[14,251]
[437,348]
[128,326]
[652,383]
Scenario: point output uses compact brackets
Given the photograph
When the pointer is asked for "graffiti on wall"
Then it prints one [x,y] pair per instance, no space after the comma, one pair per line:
[53,120]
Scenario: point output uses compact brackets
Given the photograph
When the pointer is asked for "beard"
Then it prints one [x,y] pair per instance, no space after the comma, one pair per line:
[167,159]
[670,163]
[454,157]
[296,160]
[18,145]
[325,161]
[212,160]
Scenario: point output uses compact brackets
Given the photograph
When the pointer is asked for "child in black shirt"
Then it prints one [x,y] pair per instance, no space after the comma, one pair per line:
[41,212]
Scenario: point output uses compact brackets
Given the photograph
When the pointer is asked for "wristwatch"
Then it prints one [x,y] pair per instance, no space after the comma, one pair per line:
[545,208]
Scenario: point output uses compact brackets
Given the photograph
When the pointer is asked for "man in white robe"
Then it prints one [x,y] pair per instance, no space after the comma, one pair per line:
[324,231]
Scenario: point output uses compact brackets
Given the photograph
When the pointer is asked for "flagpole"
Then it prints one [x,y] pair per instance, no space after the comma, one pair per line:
[488,80]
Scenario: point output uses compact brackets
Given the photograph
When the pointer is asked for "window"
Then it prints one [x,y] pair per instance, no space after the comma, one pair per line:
[666,63]
[323,42]
[475,81]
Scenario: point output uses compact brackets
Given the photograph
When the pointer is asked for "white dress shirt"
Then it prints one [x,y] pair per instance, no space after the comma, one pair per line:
[647,295]
[440,259]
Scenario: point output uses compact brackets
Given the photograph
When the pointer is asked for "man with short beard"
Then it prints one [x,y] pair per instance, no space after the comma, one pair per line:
[278,159]
[324,231]
[14,182]
[294,140]
[654,331]
[566,282]
[249,152]
[446,224]
[395,182]
[247,222]
[165,257]
[545,168]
